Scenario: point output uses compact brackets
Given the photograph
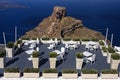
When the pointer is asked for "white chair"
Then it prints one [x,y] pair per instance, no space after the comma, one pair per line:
[92,58]
[56,41]
[63,49]
[51,46]
[67,46]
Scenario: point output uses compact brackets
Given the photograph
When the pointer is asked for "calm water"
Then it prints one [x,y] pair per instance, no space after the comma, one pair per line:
[95,14]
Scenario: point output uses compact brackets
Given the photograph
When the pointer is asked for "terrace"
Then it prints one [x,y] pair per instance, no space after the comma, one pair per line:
[21,59]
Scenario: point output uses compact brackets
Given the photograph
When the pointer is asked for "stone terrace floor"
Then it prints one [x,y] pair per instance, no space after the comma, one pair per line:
[20,59]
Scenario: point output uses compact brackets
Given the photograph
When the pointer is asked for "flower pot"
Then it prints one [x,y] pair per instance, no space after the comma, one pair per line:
[31,75]
[2,62]
[50,75]
[109,76]
[79,63]
[35,62]
[69,75]
[52,62]
[108,57]
[114,64]
[104,53]
[9,52]
[89,76]
[11,75]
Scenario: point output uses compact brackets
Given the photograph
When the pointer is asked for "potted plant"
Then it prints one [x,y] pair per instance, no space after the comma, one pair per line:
[45,38]
[110,50]
[109,74]
[19,43]
[31,73]
[115,60]
[76,39]
[24,39]
[69,74]
[84,41]
[104,51]
[35,59]
[12,73]
[67,39]
[89,73]
[2,55]
[95,39]
[79,60]
[101,43]
[50,73]
[9,49]
[52,59]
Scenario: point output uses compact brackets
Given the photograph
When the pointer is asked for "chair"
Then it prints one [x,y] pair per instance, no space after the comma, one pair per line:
[92,58]
[67,46]
[62,49]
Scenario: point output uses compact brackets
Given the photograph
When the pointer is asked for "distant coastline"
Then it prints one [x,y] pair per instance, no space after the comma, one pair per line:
[7,6]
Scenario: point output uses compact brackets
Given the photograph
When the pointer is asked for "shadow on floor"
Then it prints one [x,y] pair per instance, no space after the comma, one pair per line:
[43,61]
[11,61]
[19,52]
[59,62]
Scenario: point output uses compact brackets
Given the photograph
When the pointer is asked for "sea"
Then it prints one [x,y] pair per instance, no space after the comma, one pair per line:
[27,14]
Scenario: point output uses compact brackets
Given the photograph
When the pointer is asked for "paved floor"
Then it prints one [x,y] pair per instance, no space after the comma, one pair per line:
[21,59]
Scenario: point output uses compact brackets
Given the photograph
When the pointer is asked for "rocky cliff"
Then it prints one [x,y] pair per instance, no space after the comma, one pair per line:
[59,25]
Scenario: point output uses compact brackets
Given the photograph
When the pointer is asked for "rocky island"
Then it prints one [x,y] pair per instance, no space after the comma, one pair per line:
[59,25]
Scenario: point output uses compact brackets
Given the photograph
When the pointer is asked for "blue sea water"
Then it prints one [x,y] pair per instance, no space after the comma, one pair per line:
[95,14]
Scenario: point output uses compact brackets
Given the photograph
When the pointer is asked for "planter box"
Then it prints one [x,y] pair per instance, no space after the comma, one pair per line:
[31,75]
[109,57]
[35,62]
[89,76]
[84,42]
[52,62]
[11,75]
[104,53]
[79,63]
[109,76]
[2,62]
[69,75]
[114,64]
[50,75]
[9,52]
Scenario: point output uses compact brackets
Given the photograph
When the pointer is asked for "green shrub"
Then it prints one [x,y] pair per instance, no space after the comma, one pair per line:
[12,70]
[89,71]
[50,71]
[101,43]
[25,38]
[111,50]
[107,71]
[31,70]
[67,39]
[35,54]
[104,49]
[53,54]
[19,41]
[69,71]
[45,38]
[79,55]
[115,56]
[85,39]
[94,39]
[10,44]
[2,54]
[76,39]
[34,38]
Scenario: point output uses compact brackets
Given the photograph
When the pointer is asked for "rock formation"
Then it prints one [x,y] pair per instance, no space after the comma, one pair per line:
[58,13]
[59,25]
